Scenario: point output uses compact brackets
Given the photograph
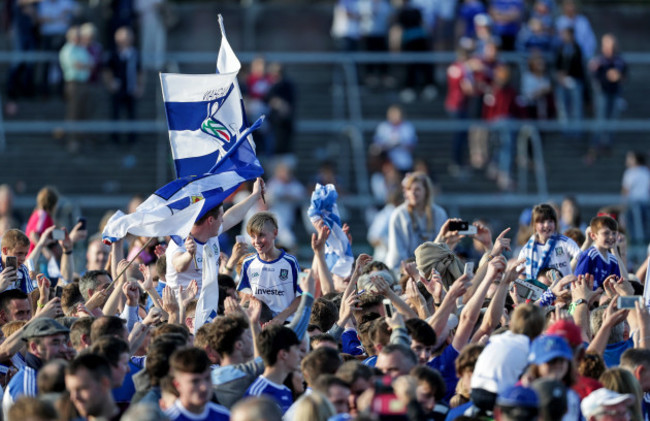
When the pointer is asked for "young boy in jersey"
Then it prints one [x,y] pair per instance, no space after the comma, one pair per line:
[597,260]
[15,243]
[271,275]
[279,349]
[190,370]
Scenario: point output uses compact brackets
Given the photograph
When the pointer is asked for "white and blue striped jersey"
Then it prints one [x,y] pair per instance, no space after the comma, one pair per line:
[275,283]
[280,393]
[594,263]
[211,412]
[23,383]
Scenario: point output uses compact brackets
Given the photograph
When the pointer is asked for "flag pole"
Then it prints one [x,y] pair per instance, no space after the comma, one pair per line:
[130,262]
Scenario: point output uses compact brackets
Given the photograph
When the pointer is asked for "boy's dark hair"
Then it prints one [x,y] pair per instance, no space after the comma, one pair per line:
[322,337]
[324,314]
[226,281]
[70,297]
[318,362]
[97,365]
[274,339]
[635,357]
[11,294]
[166,328]
[379,332]
[402,349]
[324,382]
[227,330]
[79,328]
[158,353]
[189,360]
[431,376]
[110,347]
[13,238]
[576,235]
[214,212]
[351,371]
[107,325]
[543,212]
[421,331]
[373,266]
[599,222]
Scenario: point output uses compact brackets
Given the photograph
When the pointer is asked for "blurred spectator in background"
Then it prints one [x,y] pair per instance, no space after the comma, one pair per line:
[534,36]
[386,181]
[121,13]
[42,216]
[375,20]
[570,215]
[460,87]
[483,28]
[378,230]
[409,34]
[569,76]
[20,78]
[543,11]
[397,138]
[469,9]
[500,103]
[584,35]
[9,218]
[346,28]
[609,71]
[507,16]
[76,64]
[285,195]
[54,19]
[536,89]
[636,190]
[153,34]
[258,84]
[88,34]
[281,100]
[124,77]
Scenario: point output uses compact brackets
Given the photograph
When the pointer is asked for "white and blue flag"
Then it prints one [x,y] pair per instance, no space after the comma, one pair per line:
[206,119]
[338,251]
[212,149]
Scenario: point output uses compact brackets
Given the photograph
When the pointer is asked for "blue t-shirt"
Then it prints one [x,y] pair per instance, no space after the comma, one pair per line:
[592,262]
[504,6]
[278,392]
[370,361]
[211,412]
[613,352]
[124,393]
[645,406]
[351,343]
[445,363]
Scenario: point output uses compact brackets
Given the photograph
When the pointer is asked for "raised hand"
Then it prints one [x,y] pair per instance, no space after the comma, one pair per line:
[170,303]
[319,239]
[501,243]
[147,283]
[77,234]
[159,250]
[189,293]
[362,261]
[190,245]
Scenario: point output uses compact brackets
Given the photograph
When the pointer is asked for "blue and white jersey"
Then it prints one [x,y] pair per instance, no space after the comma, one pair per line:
[22,383]
[594,263]
[278,392]
[211,412]
[275,283]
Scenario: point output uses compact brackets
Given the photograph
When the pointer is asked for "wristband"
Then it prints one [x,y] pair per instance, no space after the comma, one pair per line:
[490,257]
[39,304]
[67,252]
[228,269]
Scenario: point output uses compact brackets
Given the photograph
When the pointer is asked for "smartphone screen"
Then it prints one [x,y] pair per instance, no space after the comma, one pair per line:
[388,307]
[458,225]
[10,261]
[82,220]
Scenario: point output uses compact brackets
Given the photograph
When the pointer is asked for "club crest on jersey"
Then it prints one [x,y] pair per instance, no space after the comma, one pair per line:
[284,274]
[559,251]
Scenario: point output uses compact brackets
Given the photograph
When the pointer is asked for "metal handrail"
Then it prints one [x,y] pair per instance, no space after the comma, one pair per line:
[529,134]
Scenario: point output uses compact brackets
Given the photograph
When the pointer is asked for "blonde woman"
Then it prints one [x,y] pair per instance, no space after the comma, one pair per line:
[415,221]
[621,380]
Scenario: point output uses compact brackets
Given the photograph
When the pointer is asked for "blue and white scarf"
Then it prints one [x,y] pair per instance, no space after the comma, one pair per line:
[538,257]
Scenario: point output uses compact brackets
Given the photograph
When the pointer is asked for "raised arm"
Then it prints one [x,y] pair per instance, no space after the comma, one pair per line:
[611,318]
[237,213]
[318,246]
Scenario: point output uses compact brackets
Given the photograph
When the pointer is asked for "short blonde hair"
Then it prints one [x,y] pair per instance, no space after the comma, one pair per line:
[11,327]
[258,221]
[314,406]
[14,238]
[528,319]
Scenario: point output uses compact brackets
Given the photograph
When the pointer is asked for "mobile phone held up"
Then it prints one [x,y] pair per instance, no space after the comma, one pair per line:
[82,221]
[388,308]
[58,235]
[628,302]
[463,227]
[11,261]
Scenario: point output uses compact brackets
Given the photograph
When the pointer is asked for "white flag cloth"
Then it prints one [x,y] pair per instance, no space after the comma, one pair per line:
[206,307]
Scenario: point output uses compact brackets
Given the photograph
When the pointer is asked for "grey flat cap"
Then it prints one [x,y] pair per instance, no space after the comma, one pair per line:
[43,327]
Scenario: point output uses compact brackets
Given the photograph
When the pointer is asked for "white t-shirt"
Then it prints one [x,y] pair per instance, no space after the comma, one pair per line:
[194,271]
[565,250]
[275,283]
[636,181]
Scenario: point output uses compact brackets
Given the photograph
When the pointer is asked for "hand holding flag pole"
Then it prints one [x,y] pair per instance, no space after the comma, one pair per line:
[119,275]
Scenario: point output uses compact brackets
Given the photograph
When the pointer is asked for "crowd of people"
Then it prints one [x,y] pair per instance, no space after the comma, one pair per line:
[565,75]
[447,321]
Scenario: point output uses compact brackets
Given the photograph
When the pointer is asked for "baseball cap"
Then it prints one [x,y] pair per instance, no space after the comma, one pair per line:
[568,330]
[43,327]
[552,398]
[518,396]
[599,399]
[548,347]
